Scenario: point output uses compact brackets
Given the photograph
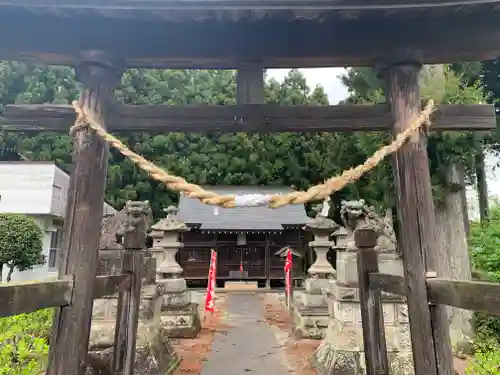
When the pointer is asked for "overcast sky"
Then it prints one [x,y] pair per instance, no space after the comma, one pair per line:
[326,77]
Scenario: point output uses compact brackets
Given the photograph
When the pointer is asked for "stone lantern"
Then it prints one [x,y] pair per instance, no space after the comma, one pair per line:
[166,243]
[311,312]
[179,316]
[322,227]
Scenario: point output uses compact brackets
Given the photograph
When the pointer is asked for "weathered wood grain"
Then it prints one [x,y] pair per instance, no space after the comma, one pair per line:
[248,4]
[111,284]
[388,283]
[221,35]
[468,295]
[82,226]
[28,297]
[127,316]
[372,316]
[265,118]
[415,211]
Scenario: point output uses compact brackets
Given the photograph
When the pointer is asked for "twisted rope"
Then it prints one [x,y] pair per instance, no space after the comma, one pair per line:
[315,193]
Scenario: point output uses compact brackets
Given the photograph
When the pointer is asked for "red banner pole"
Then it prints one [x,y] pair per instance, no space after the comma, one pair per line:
[288,279]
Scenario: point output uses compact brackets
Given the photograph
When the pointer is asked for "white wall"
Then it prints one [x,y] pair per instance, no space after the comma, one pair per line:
[40,190]
[59,192]
[26,188]
[40,272]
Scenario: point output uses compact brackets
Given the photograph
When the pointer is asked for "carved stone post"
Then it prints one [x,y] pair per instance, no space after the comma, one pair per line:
[311,313]
[341,352]
[180,317]
[69,341]
[123,240]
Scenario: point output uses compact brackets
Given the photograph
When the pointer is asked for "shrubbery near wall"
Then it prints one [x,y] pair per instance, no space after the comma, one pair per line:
[24,343]
[485,256]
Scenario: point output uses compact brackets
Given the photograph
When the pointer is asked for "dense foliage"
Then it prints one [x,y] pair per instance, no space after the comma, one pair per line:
[296,160]
[24,343]
[20,243]
[445,85]
[286,159]
[484,244]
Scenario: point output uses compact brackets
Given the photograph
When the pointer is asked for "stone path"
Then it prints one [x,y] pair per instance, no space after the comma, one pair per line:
[249,346]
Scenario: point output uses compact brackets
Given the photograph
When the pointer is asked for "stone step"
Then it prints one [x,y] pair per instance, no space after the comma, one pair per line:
[241,285]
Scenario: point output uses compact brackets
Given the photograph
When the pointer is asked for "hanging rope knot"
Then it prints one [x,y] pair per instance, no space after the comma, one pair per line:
[315,193]
[81,121]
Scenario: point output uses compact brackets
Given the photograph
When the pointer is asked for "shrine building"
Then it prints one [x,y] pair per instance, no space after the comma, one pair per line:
[248,241]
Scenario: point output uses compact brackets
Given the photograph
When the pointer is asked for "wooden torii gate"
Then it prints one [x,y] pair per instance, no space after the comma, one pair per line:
[103,38]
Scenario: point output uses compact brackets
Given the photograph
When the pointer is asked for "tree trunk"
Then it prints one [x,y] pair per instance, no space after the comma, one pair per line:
[9,275]
[454,253]
[1,273]
[482,186]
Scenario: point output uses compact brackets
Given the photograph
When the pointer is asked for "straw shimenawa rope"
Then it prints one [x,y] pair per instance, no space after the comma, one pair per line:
[315,193]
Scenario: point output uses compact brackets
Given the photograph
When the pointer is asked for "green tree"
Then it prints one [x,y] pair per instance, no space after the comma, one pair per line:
[20,243]
[291,159]
[445,148]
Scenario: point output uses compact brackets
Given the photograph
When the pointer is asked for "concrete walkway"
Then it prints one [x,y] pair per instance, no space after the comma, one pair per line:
[250,345]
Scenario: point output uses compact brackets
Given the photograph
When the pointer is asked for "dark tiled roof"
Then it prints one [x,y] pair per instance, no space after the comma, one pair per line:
[192,211]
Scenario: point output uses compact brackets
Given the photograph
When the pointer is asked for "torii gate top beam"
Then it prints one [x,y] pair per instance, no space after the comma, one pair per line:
[227,33]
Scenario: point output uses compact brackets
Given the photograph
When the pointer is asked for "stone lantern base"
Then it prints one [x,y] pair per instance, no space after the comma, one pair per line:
[342,351]
[310,310]
[180,316]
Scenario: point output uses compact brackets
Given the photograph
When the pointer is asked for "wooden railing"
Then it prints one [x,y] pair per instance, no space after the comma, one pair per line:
[468,295]
[28,297]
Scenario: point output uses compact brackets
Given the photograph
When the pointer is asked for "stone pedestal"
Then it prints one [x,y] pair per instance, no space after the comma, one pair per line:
[179,315]
[341,352]
[310,312]
[311,307]
[154,353]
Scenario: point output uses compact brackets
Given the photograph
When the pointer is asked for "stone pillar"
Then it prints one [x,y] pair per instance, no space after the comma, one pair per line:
[311,309]
[341,352]
[154,353]
[179,315]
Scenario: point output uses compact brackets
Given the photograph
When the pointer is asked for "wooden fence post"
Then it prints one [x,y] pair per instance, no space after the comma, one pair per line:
[134,233]
[372,316]
[431,344]
[82,226]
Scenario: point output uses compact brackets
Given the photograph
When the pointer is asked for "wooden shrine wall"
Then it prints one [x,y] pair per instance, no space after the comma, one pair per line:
[257,256]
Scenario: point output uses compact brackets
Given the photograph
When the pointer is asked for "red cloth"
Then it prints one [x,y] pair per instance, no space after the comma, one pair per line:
[288,271]
[241,266]
[210,297]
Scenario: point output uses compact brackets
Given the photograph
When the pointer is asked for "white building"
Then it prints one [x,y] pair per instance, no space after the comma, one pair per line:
[39,190]
[493,182]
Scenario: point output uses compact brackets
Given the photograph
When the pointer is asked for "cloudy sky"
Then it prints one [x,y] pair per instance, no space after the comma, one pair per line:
[326,77]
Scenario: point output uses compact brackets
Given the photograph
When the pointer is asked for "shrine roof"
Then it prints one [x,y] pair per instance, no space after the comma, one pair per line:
[192,211]
[227,33]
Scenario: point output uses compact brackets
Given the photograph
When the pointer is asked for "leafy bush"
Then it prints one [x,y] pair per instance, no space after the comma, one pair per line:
[486,358]
[24,343]
[20,243]
[485,253]
[485,250]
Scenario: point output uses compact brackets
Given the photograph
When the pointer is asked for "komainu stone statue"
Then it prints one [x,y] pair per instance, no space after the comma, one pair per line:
[114,226]
[138,218]
[355,214]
